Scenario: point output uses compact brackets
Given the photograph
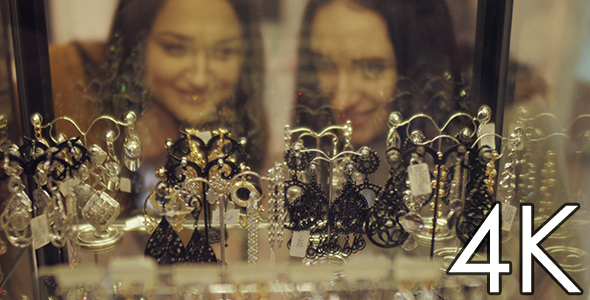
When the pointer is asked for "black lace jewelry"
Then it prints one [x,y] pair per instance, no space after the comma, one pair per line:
[381,226]
[197,173]
[349,212]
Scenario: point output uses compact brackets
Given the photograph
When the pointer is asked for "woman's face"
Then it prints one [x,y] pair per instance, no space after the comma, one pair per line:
[193,58]
[355,63]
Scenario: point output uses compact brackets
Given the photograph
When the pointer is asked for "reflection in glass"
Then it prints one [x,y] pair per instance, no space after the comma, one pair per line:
[362,60]
[177,64]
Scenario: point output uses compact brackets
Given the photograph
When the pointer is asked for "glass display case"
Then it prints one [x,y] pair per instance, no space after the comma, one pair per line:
[285,148]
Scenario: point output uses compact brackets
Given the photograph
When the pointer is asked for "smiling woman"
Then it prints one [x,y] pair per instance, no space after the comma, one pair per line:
[193,58]
[354,53]
[178,64]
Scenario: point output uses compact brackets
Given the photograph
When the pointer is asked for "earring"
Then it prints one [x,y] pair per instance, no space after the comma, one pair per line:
[242,191]
[17,215]
[455,203]
[276,205]
[382,226]
[57,217]
[165,246]
[198,248]
[305,203]
[132,150]
[41,197]
[548,185]
[112,168]
[348,214]
[480,195]
[253,215]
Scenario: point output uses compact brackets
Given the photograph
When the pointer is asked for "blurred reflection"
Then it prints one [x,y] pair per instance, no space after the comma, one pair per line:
[360,59]
[178,64]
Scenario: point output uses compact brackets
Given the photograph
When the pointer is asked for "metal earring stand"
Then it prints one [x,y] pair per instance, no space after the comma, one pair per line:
[544,132]
[332,157]
[418,139]
[88,236]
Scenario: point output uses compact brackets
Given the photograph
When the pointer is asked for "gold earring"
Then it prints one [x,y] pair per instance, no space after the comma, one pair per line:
[243,191]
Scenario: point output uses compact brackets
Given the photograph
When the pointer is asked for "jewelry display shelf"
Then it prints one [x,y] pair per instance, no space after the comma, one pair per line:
[369,278]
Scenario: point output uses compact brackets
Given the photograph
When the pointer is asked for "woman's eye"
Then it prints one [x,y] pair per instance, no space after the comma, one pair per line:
[372,69]
[174,49]
[224,53]
[323,65]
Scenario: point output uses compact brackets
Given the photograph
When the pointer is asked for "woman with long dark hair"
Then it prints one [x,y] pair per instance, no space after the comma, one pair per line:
[357,57]
[177,64]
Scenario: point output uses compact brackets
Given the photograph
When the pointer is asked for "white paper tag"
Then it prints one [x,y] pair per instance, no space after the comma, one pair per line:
[205,136]
[40,231]
[125,185]
[508,213]
[134,222]
[299,242]
[488,140]
[419,179]
[68,186]
[232,217]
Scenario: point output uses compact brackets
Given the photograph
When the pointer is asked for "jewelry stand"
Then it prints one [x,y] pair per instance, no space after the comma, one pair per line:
[324,245]
[89,236]
[554,146]
[436,152]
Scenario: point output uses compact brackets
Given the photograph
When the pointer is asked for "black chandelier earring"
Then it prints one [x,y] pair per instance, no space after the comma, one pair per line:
[349,212]
[305,202]
[382,227]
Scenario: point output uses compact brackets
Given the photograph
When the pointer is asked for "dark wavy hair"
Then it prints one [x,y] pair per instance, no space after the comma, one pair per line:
[422,35]
[124,90]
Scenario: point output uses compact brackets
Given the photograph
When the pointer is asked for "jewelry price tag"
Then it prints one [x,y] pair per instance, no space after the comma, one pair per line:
[299,243]
[232,217]
[419,179]
[40,231]
[125,185]
[68,186]
[134,222]
[508,213]
[488,140]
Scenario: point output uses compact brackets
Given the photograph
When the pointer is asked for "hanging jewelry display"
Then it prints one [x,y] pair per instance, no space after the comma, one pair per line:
[199,173]
[334,220]
[438,168]
[549,149]
[59,168]
[507,182]
[547,144]
[88,185]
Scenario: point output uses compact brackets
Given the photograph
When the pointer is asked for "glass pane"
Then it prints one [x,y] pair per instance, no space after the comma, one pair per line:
[549,75]
[14,284]
[253,67]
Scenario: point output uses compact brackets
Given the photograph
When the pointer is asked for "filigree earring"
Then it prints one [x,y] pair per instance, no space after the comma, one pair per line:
[382,226]
[348,213]
[305,203]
